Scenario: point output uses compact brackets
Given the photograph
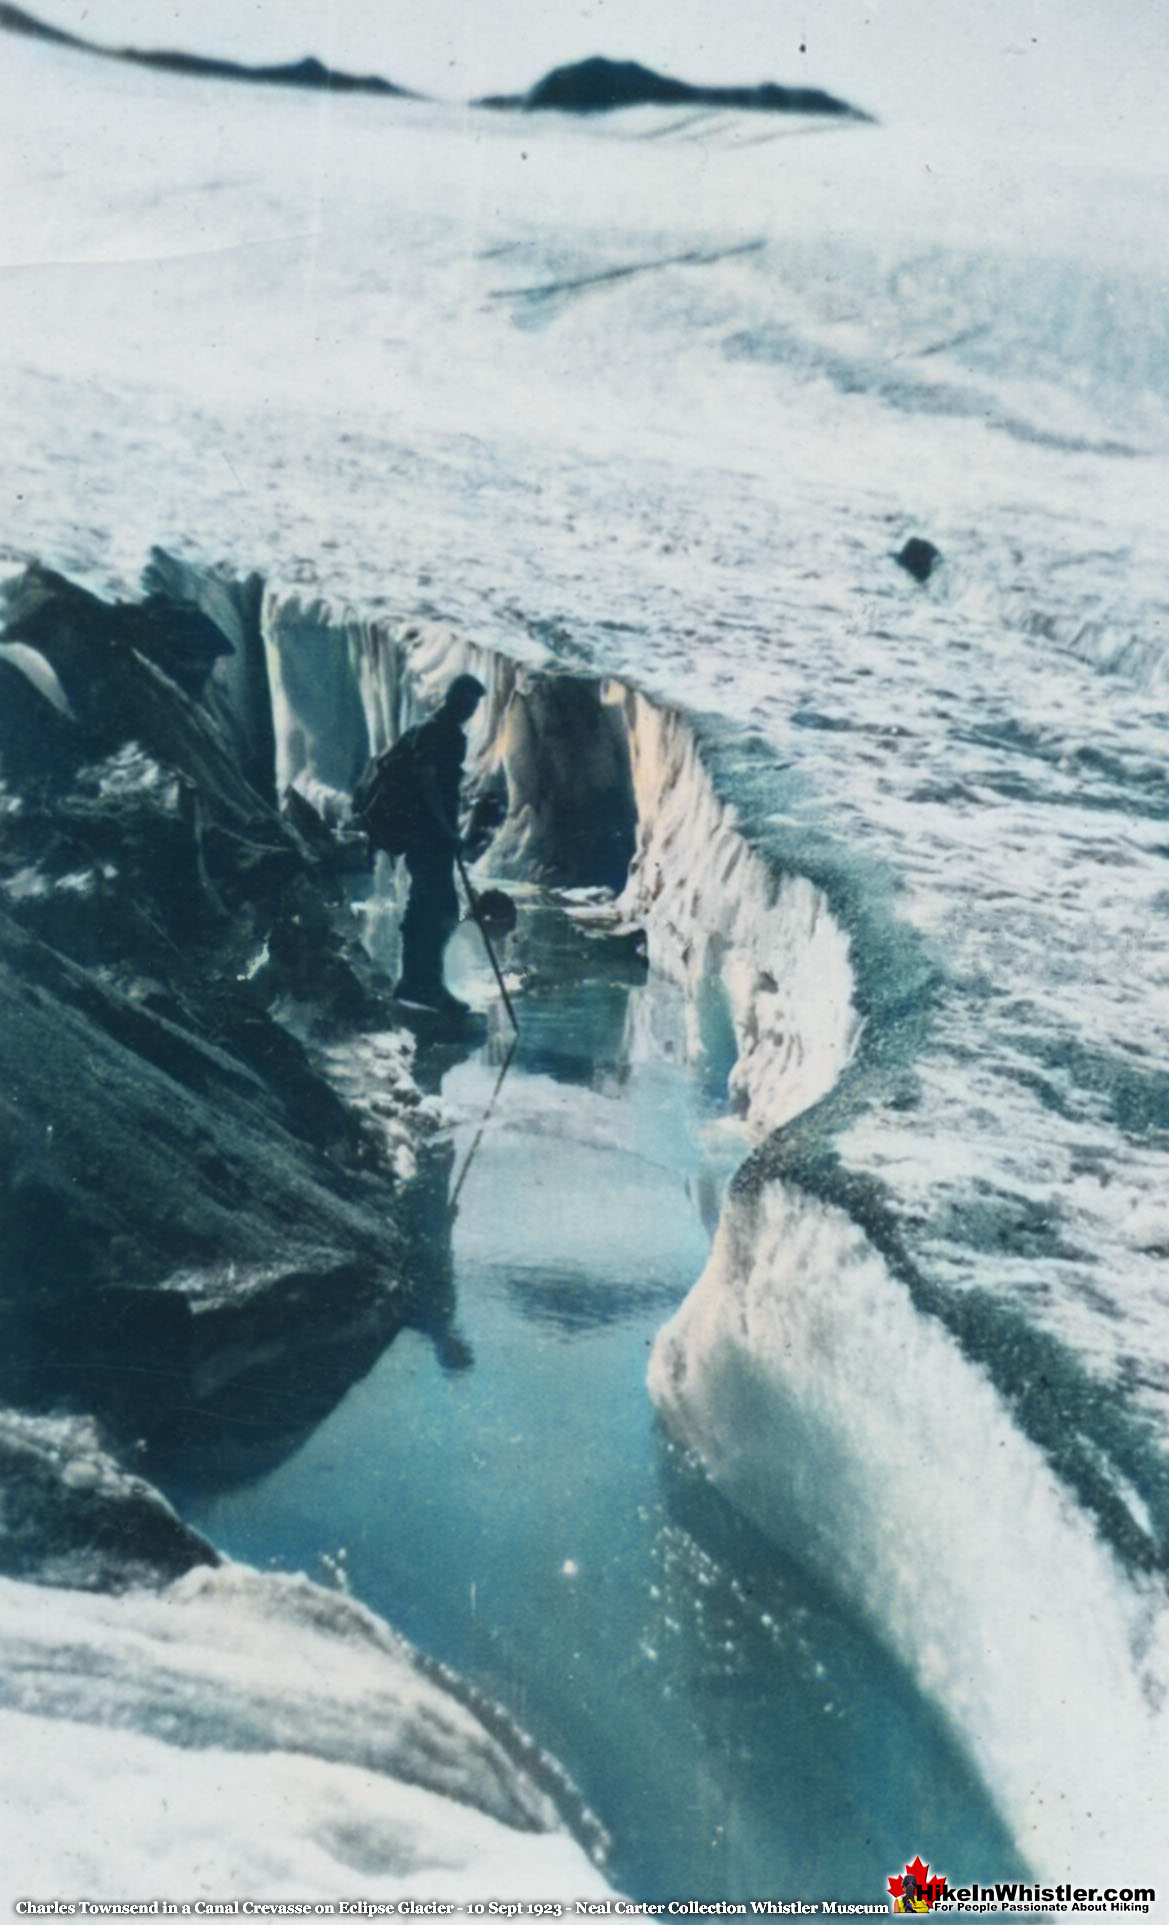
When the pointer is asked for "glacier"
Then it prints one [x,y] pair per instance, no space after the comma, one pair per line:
[801,1371]
[632,422]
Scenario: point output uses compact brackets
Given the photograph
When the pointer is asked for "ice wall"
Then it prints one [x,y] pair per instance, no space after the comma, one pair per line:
[602,786]
[856,1434]
[752,948]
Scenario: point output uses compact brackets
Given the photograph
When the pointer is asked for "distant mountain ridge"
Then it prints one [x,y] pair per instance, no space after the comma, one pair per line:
[598,86]
[592,86]
[309,72]
[14,21]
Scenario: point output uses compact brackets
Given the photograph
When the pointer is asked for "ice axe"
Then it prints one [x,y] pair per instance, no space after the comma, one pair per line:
[473,900]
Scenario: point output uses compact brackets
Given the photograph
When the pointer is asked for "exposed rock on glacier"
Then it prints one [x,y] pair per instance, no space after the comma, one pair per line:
[918,557]
[186,1200]
[71,1515]
[308,73]
[598,85]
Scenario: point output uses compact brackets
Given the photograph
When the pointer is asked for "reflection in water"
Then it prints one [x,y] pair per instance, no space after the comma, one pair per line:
[568,1301]
[738,1733]
[457,1185]
[427,1220]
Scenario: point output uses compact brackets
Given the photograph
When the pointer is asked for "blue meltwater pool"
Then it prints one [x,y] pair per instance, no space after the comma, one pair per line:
[507,1499]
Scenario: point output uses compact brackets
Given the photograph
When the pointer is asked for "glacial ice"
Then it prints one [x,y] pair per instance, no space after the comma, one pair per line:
[817,1397]
[717,920]
[238,1733]
[856,1433]
[514,499]
[713,910]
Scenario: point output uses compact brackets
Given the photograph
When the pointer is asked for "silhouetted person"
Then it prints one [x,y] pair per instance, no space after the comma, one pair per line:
[431,845]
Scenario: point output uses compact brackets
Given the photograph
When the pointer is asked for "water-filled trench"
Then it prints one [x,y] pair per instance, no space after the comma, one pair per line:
[503,1494]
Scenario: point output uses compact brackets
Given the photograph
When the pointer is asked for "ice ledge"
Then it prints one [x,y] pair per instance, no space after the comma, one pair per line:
[242,1732]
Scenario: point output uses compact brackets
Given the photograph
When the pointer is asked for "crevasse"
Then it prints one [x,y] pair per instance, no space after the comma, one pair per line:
[851,1427]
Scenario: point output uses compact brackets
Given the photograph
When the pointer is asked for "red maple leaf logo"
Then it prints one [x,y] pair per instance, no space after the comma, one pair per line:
[917,1881]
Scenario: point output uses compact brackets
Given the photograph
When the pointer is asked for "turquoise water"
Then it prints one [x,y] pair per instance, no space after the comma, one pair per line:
[523,1518]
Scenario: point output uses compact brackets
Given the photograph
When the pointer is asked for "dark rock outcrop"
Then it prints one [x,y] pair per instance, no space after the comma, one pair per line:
[598,86]
[70,1515]
[15,20]
[592,86]
[189,1214]
[307,73]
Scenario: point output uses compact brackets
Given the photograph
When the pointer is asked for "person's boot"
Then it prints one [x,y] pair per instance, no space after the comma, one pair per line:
[452,1005]
[418,994]
[429,995]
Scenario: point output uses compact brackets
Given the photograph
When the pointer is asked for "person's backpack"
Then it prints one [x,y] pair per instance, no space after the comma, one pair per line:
[387,802]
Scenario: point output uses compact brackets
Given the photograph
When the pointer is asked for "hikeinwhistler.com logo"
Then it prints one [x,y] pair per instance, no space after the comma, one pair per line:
[916,1889]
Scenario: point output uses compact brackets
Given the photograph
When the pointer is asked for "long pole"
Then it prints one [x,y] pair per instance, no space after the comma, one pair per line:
[474,903]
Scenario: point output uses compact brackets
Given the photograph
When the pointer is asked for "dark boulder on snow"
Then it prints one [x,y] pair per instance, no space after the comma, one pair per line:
[918,557]
[598,85]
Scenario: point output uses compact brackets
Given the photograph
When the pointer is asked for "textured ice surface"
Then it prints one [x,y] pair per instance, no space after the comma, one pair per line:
[128,1812]
[240,1732]
[856,1434]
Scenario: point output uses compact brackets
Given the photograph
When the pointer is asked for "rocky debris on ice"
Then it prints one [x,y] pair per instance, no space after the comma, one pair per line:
[71,1515]
[181,1187]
